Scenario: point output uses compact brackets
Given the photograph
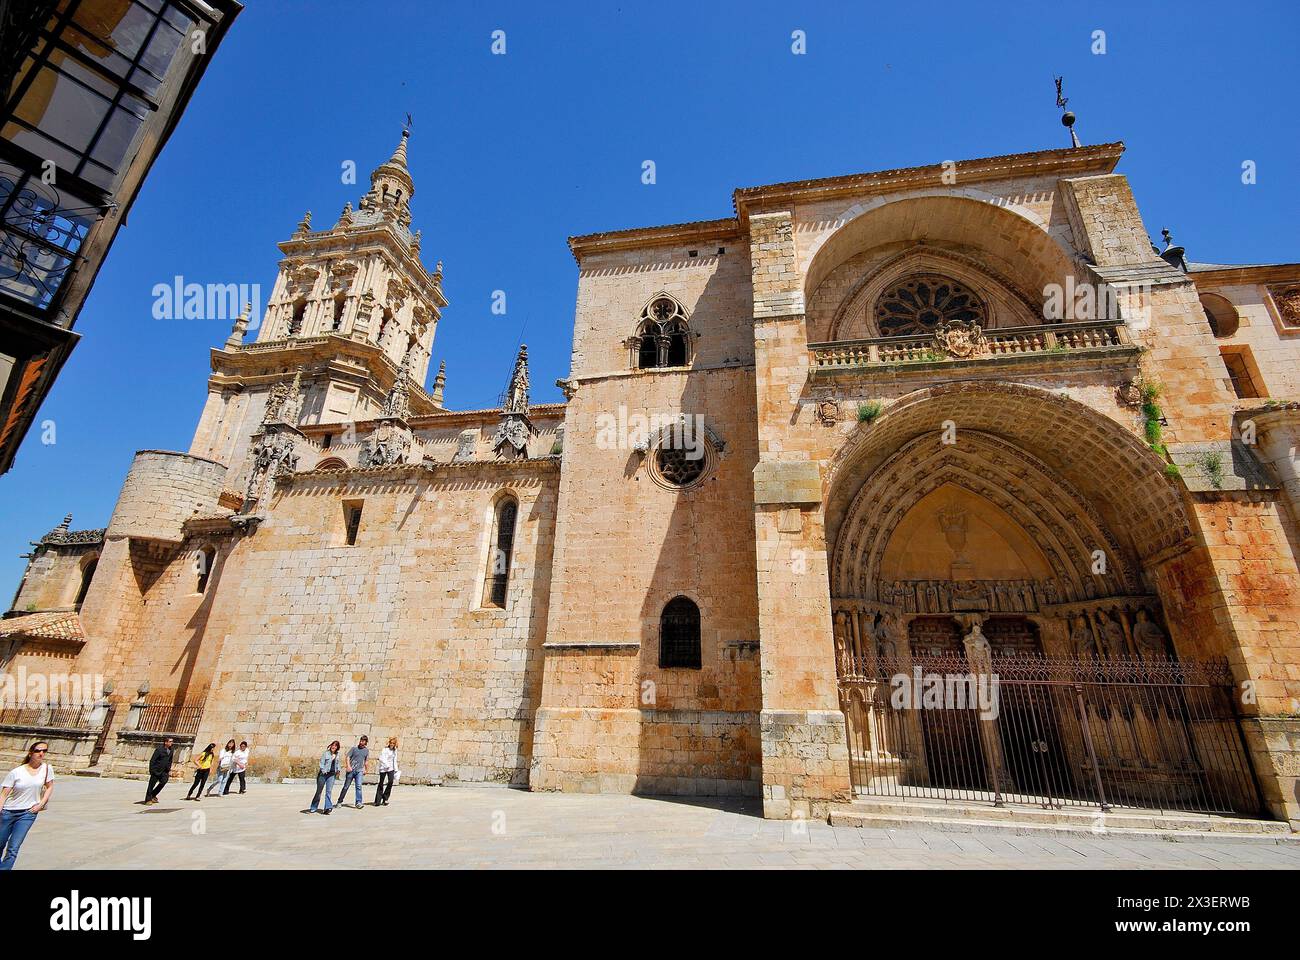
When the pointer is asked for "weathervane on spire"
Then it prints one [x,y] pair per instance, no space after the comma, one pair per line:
[406,129]
[1067,118]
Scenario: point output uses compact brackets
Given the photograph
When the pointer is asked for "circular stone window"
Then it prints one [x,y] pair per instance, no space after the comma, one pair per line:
[1221,314]
[677,466]
[921,305]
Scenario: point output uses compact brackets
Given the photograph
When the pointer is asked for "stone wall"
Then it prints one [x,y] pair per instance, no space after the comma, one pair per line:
[388,637]
[612,718]
[162,490]
[54,577]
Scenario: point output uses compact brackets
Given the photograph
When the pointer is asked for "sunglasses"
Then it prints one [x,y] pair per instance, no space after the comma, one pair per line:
[40,750]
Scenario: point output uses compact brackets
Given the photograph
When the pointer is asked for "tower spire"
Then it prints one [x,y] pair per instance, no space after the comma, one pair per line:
[391,186]
[439,383]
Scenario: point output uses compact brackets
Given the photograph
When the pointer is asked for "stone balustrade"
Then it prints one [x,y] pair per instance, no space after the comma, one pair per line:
[1044,340]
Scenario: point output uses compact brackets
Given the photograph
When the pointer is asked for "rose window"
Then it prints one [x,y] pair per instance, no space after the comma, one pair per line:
[922,305]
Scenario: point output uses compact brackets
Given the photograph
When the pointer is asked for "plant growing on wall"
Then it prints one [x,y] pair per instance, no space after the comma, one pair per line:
[867,412]
[1152,427]
[1212,464]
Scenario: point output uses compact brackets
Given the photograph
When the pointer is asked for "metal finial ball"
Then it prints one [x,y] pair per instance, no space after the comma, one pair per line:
[1067,119]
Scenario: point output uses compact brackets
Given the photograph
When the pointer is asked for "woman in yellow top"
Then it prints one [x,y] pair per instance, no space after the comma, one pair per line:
[202,767]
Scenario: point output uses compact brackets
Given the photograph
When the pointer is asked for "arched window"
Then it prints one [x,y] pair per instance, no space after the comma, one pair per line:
[921,305]
[87,574]
[203,560]
[679,634]
[663,337]
[1221,314]
[340,299]
[295,322]
[502,551]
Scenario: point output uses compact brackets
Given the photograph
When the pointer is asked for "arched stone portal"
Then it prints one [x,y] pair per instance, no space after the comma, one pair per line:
[983,529]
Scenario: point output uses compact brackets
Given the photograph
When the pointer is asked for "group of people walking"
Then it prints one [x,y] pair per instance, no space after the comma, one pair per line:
[354,767]
[26,789]
[232,762]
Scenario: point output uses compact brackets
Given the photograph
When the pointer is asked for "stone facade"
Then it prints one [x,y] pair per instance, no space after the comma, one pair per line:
[860,411]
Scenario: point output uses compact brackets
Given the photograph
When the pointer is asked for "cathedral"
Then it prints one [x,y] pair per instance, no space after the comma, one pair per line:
[965,419]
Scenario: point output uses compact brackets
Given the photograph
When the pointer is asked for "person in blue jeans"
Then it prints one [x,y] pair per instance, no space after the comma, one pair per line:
[326,771]
[357,758]
[24,793]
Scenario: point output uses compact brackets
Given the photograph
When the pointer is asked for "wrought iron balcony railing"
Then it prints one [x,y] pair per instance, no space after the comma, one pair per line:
[41,230]
[960,343]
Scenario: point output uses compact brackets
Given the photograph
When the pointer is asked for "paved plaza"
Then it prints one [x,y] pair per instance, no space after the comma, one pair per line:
[98,823]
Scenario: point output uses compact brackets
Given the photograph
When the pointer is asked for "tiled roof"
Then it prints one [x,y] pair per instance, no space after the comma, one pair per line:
[44,626]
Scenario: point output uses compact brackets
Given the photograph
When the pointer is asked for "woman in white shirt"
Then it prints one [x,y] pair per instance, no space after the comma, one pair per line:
[387,772]
[24,793]
[225,763]
[239,768]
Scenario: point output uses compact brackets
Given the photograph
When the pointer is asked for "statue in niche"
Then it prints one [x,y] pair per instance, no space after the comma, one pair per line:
[1050,591]
[1150,639]
[1082,643]
[979,652]
[1113,635]
[885,646]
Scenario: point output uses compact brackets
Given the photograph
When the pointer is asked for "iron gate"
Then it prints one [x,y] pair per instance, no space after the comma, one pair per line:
[1051,731]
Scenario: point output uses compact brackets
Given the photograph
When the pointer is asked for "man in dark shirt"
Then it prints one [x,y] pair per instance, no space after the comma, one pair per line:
[357,758]
[160,770]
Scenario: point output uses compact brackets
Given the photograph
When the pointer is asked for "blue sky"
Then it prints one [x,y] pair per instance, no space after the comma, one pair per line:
[512,154]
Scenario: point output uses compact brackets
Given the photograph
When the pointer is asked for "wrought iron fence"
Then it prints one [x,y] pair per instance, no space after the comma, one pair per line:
[1050,731]
[168,716]
[75,717]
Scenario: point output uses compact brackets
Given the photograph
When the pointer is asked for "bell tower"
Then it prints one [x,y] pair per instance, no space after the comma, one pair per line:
[352,310]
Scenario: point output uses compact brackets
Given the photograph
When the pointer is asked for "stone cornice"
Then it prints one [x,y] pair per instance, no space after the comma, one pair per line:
[1248,273]
[697,231]
[266,361]
[397,471]
[1063,162]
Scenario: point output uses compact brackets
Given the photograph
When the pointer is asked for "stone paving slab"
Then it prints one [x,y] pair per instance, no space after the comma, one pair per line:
[97,823]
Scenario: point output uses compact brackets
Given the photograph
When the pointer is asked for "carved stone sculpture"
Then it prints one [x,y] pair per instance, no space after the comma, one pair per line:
[1150,639]
[1082,643]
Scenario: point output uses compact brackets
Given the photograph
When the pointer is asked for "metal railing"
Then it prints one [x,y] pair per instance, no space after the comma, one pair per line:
[167,716]
[1045,339]
[73,718]
[1051,731]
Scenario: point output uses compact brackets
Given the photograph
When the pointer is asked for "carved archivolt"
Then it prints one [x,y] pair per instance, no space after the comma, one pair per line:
[1066,528]
[1107,464]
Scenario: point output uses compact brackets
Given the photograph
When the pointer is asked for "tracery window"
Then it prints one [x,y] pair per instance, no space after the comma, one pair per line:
[663,335]
[922,304]
[677,466]
[679,634]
